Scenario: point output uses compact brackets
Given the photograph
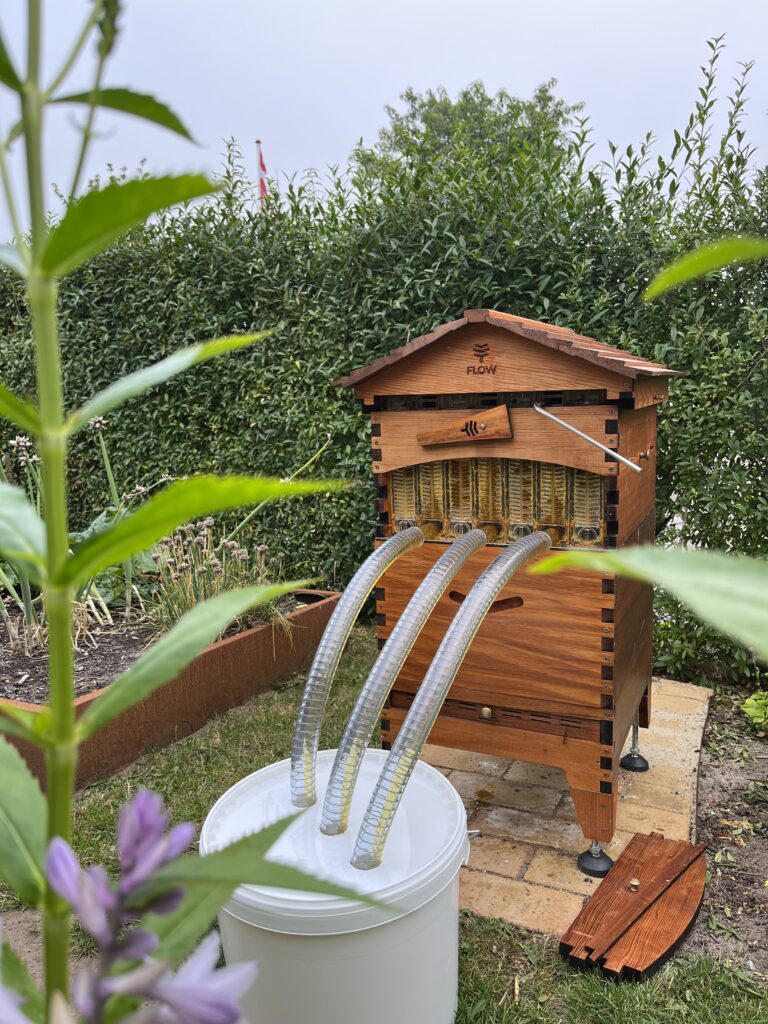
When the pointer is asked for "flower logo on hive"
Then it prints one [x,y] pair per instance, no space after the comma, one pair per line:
[481,350]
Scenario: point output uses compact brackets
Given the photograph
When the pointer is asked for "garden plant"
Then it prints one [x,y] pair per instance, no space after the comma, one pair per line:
[149,919]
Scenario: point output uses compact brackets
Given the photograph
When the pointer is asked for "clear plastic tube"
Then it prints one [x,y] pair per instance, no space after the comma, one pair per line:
[369,704]
[421,716]
[326,661]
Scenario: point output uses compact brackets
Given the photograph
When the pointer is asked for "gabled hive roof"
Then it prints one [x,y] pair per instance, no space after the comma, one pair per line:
[560,338]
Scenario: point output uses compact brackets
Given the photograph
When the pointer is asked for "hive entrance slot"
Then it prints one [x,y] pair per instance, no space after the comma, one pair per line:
[504,604]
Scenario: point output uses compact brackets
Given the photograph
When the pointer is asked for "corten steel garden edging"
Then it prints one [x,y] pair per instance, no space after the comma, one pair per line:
[226,674]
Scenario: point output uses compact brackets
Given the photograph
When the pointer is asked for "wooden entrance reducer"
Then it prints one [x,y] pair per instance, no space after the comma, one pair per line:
[512,425]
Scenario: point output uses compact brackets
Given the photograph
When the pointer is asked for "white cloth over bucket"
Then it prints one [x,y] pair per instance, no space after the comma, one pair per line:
[330,961]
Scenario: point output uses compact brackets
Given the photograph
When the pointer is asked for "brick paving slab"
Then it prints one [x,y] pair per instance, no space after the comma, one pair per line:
[558,871]
[487,853]
[473,787]
[530,906]
[538,774]
[464,760]
[522,865]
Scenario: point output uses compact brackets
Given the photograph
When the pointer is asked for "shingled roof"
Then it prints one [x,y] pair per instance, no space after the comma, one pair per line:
[560,338]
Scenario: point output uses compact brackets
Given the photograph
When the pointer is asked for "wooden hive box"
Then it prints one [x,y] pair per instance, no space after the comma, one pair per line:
[561,664]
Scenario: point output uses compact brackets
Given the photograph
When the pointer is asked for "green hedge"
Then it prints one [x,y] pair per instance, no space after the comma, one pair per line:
[486,202]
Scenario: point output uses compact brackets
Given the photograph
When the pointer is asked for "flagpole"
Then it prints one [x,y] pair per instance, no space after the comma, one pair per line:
[262,175]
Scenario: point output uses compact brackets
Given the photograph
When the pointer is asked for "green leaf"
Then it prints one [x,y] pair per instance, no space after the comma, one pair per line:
[23,816]
[8,75]
[730,592]
[16,977]
[243,863]
[150,376]
[18,411]
[177,648]
[18,721]
[706,259]
[22,534]
[181,931]
[128,102]
[178,503]
[12,258]
[91,223]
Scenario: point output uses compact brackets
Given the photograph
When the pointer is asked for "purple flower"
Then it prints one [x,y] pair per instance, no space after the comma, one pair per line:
[197,993]
[143,845]
[200,994]
[9,1008]
[87,892]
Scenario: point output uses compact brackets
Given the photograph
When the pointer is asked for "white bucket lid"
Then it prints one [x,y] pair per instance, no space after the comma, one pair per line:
[426,847]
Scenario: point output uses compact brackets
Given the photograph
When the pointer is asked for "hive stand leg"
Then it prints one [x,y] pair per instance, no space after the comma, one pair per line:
[596,812]
[634,760]
[645,708]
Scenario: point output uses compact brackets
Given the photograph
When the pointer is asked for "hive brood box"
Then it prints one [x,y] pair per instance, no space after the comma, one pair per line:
[561,664]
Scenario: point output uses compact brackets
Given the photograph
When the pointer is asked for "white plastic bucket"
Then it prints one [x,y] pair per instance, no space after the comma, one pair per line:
[331,961]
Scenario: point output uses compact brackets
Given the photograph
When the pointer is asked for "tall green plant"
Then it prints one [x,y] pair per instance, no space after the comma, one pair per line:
[45,251]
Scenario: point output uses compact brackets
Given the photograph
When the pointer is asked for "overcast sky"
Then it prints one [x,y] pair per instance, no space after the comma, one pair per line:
[311,78]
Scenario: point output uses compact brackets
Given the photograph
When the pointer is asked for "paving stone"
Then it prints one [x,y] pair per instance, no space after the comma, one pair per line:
[559,871]
[502,856]
[485,789]
[537,775]
[633,789]
[506,822]
[663,777]
[677,703]
[527,906]
[464,760]
[663,687]
[686,727]
[641,818]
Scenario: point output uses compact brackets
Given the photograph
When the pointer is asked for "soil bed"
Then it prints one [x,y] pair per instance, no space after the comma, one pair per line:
[25,677]
[99,658]
[733,822]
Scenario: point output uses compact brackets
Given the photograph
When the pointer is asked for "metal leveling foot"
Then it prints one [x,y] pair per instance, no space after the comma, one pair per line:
[634,760]
[595,862]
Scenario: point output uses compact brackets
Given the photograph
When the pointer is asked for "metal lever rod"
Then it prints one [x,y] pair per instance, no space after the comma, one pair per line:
[579,433]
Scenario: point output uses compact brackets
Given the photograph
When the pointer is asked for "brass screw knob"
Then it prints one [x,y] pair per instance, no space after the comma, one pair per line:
[634,884]
[482,426]
[486,713]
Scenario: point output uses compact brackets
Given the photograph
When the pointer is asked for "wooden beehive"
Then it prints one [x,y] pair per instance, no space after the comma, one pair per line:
[561,664]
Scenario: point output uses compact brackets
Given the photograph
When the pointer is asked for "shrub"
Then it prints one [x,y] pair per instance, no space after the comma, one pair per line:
[483,202]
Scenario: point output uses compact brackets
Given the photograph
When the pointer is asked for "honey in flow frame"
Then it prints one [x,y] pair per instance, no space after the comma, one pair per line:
[507,498]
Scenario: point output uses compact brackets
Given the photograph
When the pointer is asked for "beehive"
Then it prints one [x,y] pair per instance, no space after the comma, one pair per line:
[562,663]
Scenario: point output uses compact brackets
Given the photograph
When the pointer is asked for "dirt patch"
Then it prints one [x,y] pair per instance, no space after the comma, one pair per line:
[108,653]
[104,653]
[733,822]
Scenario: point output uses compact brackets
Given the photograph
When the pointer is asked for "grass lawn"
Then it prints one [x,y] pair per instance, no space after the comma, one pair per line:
[507,975]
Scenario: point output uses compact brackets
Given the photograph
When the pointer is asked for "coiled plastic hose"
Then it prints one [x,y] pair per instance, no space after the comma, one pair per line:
[369,704]
[421,716]
[326,661]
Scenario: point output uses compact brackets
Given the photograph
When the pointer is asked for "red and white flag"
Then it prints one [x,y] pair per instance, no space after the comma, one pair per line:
[262,173]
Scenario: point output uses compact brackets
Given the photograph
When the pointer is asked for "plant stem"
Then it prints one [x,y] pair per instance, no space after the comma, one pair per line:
[87,129]
[30,616]
[11,201]
[297,472]
[127,567]
[76,50]
[57,597]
